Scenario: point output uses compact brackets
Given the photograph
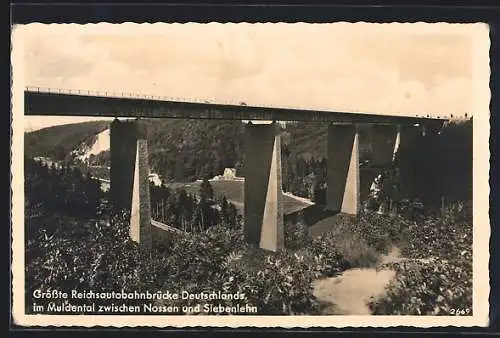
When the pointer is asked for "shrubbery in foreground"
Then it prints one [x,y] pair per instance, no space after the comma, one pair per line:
[436,277]
[351,243]
[100,256]
[63,253]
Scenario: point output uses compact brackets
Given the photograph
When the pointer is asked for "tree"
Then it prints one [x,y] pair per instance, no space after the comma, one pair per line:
[224,208]
[59,152]
[319,196]
[438,165]
[206,191]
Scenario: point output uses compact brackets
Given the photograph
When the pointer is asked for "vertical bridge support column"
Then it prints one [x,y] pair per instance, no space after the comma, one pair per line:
[129,178]
[123,145]
[384,142]
[140,216]
[263,191]
[343,169]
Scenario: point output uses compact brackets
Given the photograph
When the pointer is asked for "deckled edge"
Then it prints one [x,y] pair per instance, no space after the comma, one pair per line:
[214,321]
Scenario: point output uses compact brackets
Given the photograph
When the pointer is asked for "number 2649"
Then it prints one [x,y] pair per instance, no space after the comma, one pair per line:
[460,312]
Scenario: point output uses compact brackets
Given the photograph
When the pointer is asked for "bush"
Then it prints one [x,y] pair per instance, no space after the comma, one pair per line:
[447,236]
[435,287]
[351,243]
[437,278]
[277,283]
[196,258]
[101,257]
[379,231]
[346,246]
[219,259]
[296,235]
[329,260]
[75,255]
[357,253]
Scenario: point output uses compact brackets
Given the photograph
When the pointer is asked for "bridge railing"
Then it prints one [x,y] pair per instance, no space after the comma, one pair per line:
[114,94]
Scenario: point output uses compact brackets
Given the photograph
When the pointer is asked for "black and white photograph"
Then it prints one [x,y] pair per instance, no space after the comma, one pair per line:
[213,174]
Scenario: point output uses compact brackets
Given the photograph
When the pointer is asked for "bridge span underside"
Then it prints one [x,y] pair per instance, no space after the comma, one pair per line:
[263,195]
[57,104]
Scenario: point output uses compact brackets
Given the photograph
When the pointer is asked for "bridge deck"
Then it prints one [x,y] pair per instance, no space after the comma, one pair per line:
[78,104]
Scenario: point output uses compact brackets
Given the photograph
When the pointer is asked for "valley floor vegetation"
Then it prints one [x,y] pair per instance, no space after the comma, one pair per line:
[70,250]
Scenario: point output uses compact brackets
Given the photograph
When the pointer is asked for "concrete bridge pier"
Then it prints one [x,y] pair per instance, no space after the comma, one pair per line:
[406,135]
[123,146]
[129,188]
[343,186]
[140,215]
[385,140]
[264,225]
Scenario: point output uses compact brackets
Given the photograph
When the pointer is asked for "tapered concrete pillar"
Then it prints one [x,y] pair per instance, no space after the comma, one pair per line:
[383,145]
[397,143]
[123,144]
[343,169]
[406,135]
[263,195]
[140,215]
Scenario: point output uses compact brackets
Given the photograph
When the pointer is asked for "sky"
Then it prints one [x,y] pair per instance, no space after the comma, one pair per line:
[399,69]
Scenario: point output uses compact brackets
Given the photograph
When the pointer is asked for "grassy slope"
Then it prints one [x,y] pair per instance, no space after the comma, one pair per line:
[234,192]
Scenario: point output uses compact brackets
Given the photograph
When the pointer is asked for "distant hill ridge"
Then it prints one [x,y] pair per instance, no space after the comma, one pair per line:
[57,142]
[180,149]
[186,150]
[308,140]
[204,147]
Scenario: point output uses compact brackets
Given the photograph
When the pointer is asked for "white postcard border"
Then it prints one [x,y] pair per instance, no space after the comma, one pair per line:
[481,228]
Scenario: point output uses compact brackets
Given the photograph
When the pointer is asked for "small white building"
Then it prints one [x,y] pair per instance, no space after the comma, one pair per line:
[155,178]
[229,173]
[47,161]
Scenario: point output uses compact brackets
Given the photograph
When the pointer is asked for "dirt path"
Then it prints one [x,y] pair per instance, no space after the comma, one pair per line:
[349,293]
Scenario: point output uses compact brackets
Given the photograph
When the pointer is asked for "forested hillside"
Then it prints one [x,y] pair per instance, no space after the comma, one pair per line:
[185,150]
[435,167]
[308,140]
[58,141]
